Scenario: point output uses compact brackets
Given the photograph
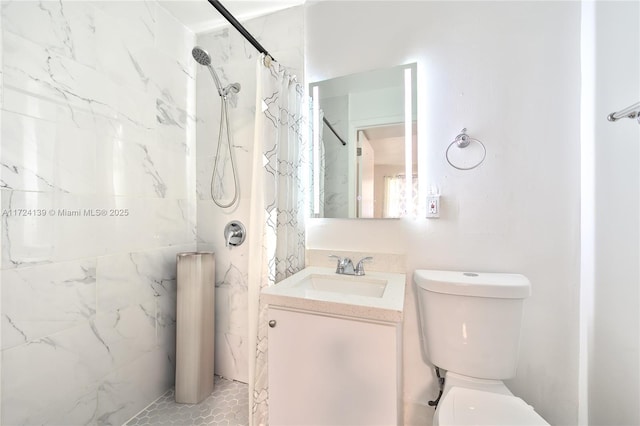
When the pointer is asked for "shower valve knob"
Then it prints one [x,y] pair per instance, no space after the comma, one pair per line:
[234,233]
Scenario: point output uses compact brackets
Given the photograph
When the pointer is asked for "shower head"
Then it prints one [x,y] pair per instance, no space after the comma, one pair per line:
[201,56]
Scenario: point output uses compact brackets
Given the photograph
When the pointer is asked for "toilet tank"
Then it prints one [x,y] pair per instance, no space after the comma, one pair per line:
[470,322]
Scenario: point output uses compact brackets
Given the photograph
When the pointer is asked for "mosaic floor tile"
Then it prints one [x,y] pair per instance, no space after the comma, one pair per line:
[227,405]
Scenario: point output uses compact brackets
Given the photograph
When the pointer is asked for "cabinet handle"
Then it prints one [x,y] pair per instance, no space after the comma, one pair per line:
[272,323]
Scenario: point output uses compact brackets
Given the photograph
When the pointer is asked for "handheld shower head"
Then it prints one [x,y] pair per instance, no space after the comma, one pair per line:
[217,188]
[201,56]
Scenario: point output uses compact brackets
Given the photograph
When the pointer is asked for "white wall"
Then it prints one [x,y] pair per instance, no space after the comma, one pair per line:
[97,113]
[510,73]
[614,359]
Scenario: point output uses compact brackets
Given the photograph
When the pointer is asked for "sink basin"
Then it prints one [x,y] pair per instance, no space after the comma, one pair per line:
[359,286]
[376,295]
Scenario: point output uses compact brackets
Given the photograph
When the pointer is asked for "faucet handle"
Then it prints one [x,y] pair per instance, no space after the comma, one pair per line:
[360,266]
[340,265]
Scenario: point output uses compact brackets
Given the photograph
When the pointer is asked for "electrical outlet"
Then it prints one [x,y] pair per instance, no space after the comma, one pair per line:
[433,206]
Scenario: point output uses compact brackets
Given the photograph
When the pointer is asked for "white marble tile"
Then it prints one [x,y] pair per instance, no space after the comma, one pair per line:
[281,32]
[140,168]
[166,327]
[41,155]
[16,100]
[172,121]
[156,223]
[118,57]
[45,74]
[75,159]
[109,128]
[157,268]
[120,284]
[42,300]
[27,237]
[242,141]
[218,46]
[172,38]
[78,216]
[172,159]
[124,391]
[39,376]
[231,290]
[134,278]
[77,86]
[28,153]
[168,78]
[80,410]
[232,345]
[136,14]
[128,333]
[135,107]
[100,116]
[73,223]
[105,127]
[66,29]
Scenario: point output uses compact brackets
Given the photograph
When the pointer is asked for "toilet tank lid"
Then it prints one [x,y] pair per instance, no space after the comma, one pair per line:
[466,407]
[478,284]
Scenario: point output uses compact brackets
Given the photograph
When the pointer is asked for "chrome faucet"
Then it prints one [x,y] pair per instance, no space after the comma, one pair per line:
[345,265]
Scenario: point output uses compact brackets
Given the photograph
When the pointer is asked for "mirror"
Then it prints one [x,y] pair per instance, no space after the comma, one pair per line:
[364,144]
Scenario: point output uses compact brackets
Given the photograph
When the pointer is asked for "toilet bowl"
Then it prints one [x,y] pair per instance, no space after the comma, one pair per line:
[468,401]
[470,323]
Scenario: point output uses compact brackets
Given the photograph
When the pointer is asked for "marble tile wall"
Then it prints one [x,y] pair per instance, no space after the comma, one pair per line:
[234,59]
[97,196]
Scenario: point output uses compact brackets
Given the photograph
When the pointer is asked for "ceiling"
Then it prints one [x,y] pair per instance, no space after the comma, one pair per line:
[200,16]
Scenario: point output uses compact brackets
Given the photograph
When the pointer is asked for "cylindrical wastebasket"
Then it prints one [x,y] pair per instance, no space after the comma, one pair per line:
[195,326]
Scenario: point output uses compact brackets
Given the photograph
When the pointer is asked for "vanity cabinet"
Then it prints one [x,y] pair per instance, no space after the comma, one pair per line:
[327,369]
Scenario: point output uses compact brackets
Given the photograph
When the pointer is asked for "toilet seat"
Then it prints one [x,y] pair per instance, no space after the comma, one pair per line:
[471,407]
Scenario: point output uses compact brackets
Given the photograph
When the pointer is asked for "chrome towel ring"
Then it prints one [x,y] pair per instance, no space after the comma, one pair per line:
[462,141]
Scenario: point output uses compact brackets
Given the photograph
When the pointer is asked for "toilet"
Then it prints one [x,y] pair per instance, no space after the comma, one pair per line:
[470,324]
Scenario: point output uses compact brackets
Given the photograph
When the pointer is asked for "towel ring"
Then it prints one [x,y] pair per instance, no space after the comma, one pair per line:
[462,141]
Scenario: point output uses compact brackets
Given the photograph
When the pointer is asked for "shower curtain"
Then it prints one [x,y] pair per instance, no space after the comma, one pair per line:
[278,208]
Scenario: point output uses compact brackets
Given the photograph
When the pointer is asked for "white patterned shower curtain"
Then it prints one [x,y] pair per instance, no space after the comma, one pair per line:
[278,209]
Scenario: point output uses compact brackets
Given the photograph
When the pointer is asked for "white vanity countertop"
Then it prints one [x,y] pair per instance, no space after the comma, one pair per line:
[291,294]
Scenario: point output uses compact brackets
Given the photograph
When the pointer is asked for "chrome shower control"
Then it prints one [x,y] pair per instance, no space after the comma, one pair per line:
[234,233]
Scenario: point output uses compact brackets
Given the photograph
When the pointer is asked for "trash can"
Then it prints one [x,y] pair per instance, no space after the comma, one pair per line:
[195,322]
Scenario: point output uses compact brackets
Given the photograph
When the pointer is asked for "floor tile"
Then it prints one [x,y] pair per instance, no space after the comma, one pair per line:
[227,405]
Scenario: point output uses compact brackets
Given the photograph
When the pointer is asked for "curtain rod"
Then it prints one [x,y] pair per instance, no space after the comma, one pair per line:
[246,34]
[333,130]
[238,26]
